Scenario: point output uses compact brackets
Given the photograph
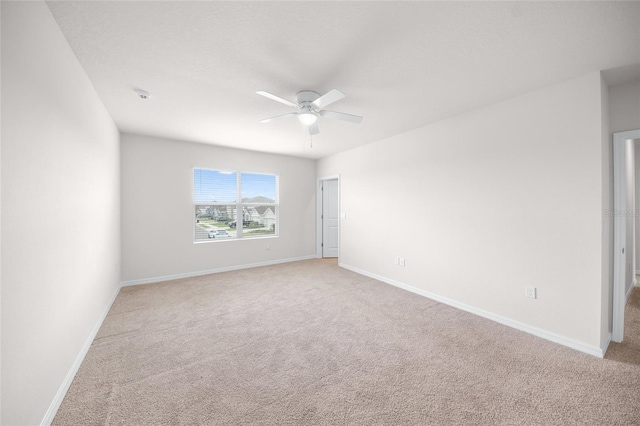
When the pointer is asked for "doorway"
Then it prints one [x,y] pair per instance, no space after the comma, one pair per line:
[624,226]
[328,217]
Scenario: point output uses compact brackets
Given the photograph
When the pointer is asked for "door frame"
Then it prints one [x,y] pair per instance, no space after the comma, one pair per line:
[619,235]
[319,213]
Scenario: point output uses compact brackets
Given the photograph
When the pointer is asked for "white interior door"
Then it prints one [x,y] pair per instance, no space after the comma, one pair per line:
[623,268]
[330,218]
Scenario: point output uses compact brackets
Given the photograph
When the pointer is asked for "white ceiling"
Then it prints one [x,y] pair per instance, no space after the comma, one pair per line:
[402,65]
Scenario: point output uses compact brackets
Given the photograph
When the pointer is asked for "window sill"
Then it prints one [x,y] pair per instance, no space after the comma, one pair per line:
[222,240]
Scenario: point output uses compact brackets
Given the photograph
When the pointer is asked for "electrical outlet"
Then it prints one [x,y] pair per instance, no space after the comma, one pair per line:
[402,261]
[531,292]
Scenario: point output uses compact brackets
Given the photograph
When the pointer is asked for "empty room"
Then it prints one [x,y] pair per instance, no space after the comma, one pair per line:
[320,213]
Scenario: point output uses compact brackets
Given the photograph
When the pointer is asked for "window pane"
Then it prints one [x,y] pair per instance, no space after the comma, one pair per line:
[257,188]
[234,205]
[259,221]
[214,222]
[212,186]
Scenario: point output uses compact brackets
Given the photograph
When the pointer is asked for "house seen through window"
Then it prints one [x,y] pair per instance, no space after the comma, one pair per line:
[234,205]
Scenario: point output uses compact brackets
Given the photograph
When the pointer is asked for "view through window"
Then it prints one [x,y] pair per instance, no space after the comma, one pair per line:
[234,205]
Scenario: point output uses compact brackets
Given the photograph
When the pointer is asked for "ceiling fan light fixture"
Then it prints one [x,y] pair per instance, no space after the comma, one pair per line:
[307,118]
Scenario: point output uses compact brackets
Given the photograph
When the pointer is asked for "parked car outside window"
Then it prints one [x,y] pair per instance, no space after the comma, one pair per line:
[222,234]
[218,233]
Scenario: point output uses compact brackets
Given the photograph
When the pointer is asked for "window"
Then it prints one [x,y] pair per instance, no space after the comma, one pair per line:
[230,205]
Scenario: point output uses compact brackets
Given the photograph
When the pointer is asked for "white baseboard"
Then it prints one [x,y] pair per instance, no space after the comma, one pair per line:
[66,383]
[213,271]
[553,337]
[605,346]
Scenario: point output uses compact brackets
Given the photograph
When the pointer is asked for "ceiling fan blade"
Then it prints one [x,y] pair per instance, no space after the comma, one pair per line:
[341,116]
[328,98]
[276,98]
[266,120]
[313,129]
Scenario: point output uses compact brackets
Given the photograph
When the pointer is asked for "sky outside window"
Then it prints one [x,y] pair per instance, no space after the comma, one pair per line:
[256,185]
[212,186]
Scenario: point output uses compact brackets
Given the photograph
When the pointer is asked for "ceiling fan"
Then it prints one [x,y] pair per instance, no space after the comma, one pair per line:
[310,105]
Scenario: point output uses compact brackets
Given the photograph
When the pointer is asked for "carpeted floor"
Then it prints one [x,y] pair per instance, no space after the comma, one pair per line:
[309,343]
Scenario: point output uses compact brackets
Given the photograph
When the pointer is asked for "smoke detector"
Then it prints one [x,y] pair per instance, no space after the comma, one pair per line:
[143,94]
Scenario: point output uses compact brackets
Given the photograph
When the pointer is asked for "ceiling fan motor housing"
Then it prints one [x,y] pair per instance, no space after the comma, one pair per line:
[305,98]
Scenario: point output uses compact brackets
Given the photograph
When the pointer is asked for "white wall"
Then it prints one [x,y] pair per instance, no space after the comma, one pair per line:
[485,203]
[624,106]
[157,208]
[60,210]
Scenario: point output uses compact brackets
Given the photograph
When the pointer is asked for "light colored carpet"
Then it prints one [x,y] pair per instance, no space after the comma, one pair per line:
[309,343]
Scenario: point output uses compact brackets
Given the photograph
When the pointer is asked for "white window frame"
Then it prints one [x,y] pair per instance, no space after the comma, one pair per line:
[239,206]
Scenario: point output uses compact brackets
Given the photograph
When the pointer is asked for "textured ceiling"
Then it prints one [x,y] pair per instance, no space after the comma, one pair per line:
[402,65]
